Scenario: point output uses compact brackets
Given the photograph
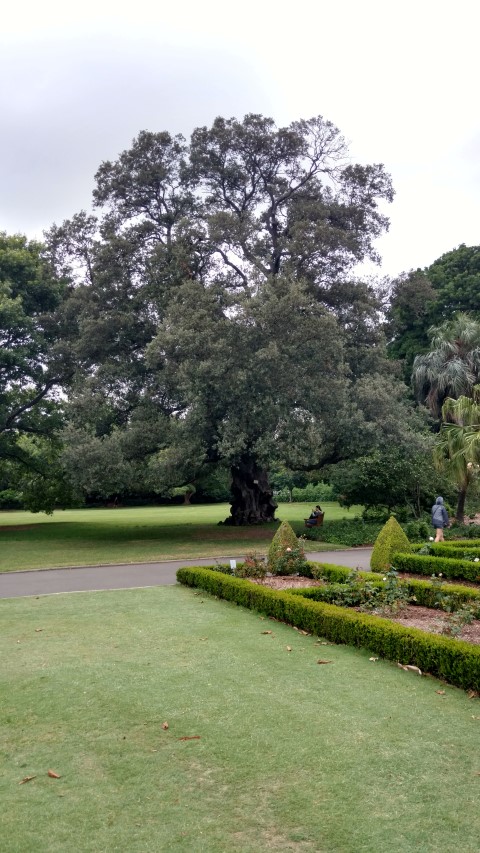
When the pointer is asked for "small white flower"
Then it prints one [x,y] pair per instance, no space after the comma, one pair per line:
[440,575]
[384,579]
[288,549]
[476,560]
[430,538]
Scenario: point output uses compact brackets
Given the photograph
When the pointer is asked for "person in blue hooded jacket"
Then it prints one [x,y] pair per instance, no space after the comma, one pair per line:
[439,519]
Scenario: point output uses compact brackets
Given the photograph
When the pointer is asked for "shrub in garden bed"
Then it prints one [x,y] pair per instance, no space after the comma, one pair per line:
[286,555]
[452,660]
[391,538]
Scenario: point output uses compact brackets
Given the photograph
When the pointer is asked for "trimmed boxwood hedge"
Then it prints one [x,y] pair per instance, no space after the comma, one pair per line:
[430,565]
[456,550]
[451,660]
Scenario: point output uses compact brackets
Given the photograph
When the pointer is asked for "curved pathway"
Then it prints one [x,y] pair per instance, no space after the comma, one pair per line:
[134,575]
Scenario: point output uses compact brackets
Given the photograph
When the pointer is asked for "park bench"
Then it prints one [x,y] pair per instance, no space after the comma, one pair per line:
[315,522]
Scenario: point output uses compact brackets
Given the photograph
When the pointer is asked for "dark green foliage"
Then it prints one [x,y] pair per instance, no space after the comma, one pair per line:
[461,531]
[428,565]
[35,363]
[390,477]
[351,531]
[417,531]
[425,298]
[391,538]
[451,660]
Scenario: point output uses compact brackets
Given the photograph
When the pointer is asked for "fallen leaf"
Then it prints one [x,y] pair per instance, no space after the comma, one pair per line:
[37,630]
[409,668]
[305,633]
[266,632]
[324,661]
[192,737]
[203,638]
[27,779]
[374,659]
[475,718]
[440,692]
[289,648]
[53,775]
[472,694]
[164,725]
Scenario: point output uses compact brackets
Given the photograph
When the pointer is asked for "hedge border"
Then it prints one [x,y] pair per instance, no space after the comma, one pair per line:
[455,550]
[451,660]
[428,565]
[424,592]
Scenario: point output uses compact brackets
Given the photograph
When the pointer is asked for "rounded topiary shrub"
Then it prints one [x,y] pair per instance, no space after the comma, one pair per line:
[286,555]
[390,539]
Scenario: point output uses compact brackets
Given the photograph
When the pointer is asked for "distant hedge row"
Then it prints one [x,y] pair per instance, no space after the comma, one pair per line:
[451,660]
[430,565]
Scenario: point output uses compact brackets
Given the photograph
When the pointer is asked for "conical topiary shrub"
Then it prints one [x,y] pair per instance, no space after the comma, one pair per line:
[390,539]
[286,555]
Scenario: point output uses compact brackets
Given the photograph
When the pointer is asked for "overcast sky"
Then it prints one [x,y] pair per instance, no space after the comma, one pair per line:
[400,80]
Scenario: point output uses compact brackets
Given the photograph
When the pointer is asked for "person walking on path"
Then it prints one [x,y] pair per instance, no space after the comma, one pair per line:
[440,519]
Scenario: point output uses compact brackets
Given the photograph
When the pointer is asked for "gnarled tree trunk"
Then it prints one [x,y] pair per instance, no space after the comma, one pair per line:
[252,496]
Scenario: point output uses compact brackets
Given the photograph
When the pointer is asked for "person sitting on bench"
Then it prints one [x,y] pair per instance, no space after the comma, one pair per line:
[312,520]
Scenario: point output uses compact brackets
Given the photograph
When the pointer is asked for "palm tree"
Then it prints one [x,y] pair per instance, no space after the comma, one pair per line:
[452,367]
[458,444]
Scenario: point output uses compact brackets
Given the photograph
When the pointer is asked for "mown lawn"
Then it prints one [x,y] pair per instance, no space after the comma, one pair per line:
[286,754]
[87,537]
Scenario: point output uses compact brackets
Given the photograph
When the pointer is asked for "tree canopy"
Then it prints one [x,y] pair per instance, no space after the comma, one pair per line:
[215,314]
[34,365]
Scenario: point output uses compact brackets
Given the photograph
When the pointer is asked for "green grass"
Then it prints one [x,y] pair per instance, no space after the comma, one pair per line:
[349,756]
[88,537]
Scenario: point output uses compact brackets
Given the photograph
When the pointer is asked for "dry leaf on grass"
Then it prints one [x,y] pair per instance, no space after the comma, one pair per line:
[324,661]
[192,737]
[165,725]
[266,632]
[27,779]
[289,648]
[440,692]
[53,775]
[374,659]
[37,630]
[472,694]
[409,668]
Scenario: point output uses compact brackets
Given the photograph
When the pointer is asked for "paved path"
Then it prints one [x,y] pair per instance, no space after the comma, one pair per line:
[131,575]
